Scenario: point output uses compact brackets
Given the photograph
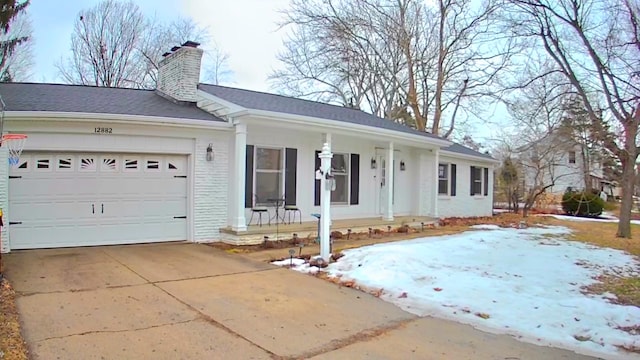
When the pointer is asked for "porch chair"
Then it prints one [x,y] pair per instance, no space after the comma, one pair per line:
[292,209]
[260,209]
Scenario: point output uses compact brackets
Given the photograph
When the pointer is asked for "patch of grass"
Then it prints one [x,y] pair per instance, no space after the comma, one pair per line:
[12,345]
[601,234]
[626,289]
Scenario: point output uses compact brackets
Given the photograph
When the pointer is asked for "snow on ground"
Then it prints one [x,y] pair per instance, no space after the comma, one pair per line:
[525,281]
[296,264]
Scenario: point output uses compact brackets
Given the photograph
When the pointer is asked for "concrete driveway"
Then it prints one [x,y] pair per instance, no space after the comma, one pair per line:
[190,301]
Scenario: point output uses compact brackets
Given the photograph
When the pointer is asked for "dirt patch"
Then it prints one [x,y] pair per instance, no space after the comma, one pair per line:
[12,345]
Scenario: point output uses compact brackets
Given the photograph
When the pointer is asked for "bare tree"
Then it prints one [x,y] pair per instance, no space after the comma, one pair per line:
[103,46]
[217,71]
[404,59]
[538,111]
[158,38]
[14,35]
[595,45]
[114,45]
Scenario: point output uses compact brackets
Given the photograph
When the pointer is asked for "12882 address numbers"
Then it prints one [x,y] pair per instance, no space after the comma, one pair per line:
[103,130]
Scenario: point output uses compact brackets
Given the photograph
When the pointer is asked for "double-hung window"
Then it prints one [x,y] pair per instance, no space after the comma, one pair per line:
[269,179]
[479,181]
[340,171]
[572,157]
[476,177]
[443,179]
[447,179]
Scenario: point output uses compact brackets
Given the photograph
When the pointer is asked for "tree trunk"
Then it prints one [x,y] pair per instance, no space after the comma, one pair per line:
[586,169]
[628,159]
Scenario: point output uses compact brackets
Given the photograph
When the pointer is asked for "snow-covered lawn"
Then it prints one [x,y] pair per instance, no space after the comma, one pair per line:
[523,282]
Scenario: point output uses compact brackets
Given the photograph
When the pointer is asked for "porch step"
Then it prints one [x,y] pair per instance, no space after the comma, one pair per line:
[309,229]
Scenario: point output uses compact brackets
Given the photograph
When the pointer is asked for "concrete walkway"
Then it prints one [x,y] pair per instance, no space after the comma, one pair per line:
[189,301]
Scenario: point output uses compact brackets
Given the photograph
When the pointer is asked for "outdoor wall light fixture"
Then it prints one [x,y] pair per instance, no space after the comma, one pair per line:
[210,152]
[373,163]
[402,166]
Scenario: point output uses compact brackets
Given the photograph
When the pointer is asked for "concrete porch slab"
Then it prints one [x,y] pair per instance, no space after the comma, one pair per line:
[287,313]
[309,229]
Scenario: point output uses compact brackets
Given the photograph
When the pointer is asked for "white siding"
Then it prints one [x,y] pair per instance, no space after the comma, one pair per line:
[211,189]
[4,198]
[463,204]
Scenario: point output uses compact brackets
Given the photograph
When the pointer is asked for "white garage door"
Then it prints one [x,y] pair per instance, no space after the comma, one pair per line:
[60,200]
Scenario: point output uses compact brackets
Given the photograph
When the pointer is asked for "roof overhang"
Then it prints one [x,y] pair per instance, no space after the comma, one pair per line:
[216,105]
[115,118]
[335,126]
[469,157]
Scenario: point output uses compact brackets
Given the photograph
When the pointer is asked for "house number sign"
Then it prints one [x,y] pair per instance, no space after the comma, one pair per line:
[103,130]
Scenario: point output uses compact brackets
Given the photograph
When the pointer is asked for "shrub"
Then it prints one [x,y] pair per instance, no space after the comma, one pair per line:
[582,204]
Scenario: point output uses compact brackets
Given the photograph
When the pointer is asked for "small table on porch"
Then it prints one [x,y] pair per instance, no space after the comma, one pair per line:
[277,203]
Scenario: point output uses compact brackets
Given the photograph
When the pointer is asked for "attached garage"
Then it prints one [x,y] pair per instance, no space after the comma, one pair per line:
[82,199]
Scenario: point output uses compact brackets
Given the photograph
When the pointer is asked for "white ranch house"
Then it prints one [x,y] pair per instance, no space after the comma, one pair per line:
[116,166]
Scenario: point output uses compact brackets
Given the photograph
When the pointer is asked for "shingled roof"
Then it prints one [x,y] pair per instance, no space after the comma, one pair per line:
[460,149]
[289,105]
[98,100]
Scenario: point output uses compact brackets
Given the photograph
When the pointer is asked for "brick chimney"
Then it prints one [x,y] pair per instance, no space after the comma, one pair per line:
[179,72]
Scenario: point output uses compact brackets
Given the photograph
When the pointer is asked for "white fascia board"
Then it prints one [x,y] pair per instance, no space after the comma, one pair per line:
[115,118]
[224,108]
[416,140]
[469,157]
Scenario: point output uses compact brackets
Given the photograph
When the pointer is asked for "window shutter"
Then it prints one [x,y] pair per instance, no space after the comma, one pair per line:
[486,181]
[248,184]
[316,201]
[453,179]
[355,179]
[290,169]
[471,180]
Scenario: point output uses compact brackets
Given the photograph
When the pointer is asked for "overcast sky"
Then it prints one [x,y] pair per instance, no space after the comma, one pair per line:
[245,29]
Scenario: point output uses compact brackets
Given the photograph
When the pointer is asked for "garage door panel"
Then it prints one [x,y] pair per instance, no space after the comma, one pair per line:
[53,212]
[97,199]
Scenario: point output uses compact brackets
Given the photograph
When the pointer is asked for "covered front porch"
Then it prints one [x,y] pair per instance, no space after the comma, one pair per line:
[378,180]
[308,230]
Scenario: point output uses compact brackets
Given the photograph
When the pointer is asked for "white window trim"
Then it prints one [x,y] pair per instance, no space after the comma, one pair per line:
[255,171]
[481,181]
[347,175]
[447,178]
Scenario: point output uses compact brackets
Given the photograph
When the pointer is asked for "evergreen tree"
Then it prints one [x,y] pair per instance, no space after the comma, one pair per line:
[8,11]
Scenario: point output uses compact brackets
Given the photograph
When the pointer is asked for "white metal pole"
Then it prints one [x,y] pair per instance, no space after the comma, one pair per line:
[325,202]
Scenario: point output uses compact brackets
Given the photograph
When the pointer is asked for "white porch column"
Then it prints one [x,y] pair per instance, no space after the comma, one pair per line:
[327,140]
[325,202]
[388,213]
[239,221]
[434,188]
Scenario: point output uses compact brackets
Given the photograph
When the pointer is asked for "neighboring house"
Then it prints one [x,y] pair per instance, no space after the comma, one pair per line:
[115,166]
[559,162]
